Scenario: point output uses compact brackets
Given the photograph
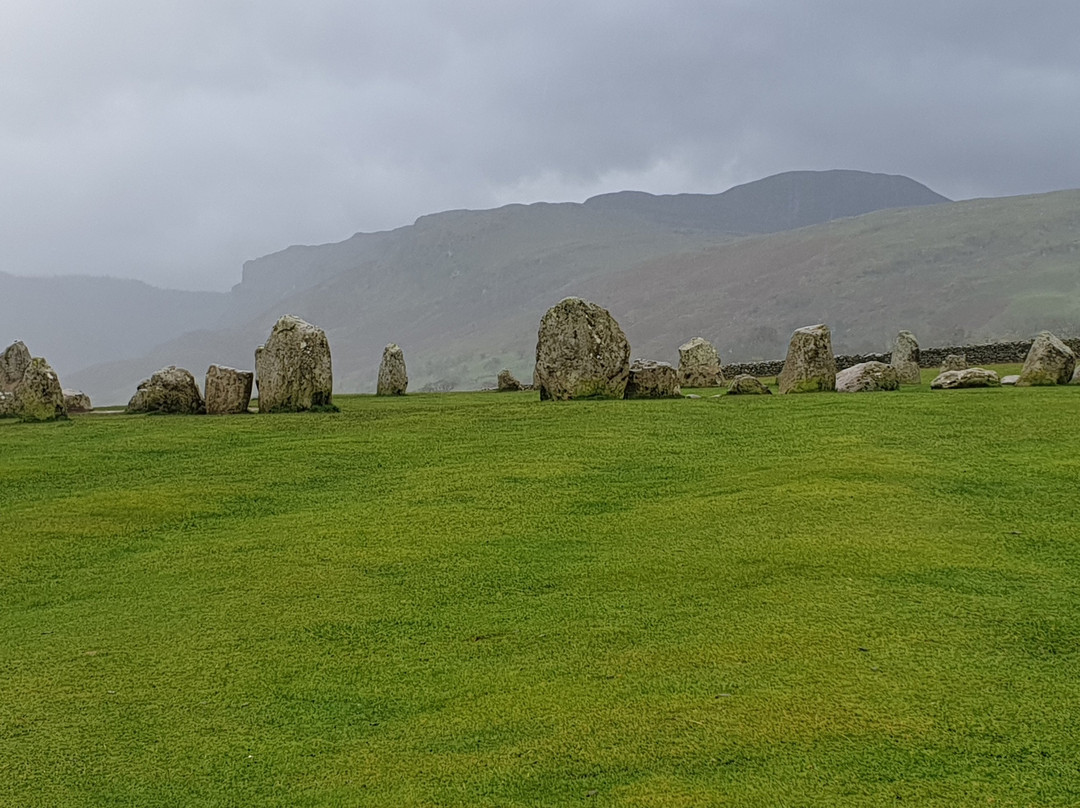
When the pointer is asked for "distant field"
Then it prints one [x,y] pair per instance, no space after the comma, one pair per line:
[478,599]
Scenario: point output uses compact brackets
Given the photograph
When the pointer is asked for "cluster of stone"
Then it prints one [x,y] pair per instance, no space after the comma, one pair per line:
[29,387]
[393,380]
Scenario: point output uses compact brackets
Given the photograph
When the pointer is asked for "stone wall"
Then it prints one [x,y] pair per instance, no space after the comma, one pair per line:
[993,353]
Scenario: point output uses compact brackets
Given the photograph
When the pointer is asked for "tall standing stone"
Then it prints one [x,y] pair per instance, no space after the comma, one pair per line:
[699,364]
[39,396]
[293,370]
[393,380]
[13,364]
[905,358]
[581,353]
[1049,361]
[810,365]
[228,390]
[171,391]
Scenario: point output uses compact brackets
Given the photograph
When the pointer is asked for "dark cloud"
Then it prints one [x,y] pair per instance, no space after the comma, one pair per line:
[171,141]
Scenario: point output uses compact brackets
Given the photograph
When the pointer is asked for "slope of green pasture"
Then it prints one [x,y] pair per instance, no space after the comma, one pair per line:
[483,600]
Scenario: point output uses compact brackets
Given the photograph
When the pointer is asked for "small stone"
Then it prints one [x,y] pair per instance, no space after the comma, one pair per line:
[969,377]
[393,381]
[649,379]
[77,401]
[507,383]
[691,395]
[954,362]
[746,385]
[1010,379]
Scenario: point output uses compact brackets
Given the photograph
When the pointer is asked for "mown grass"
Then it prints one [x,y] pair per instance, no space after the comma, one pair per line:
[478,599]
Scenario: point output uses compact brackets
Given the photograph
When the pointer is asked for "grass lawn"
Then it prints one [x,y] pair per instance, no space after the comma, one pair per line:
[479,599]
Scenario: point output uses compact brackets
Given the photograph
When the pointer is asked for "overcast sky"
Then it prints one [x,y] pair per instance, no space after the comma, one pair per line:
[171,141]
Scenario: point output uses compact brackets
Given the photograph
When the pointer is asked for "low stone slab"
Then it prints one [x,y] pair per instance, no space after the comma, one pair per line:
[228,390]
[868,377]
[746,385]
[649,379]
[1010,380]
[969,377]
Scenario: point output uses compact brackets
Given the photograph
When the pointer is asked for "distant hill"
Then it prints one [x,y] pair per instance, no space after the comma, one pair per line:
[462,291]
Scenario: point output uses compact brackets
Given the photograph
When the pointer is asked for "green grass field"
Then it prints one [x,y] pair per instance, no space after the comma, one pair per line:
[478,599]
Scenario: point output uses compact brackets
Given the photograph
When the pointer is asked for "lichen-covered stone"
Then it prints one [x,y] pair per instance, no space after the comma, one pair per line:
[581,352]
[1049,361]
[77,401]
[699,364]
[810,366]
[39,396]
[954,362]
[393,381]
[649,379]
[1076,375]
[7,405]
[293,371]
[13,364]
[905,358]
[746,385]
[507,382]
[968,377]
[228,390]
[867,377]
[171,391]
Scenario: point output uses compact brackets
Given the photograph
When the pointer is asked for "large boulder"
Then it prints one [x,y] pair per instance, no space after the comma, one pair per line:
[699,364]
[867,377]
[580,353]
[77,401]
[39,396]
[1049,361]
[13,364]
[392,377]
[954,362]
[968,377]
[650,379]
[507,382]
[905,358]
[228,390]
[746,385]
[810,365]
[293,370]
[171,390]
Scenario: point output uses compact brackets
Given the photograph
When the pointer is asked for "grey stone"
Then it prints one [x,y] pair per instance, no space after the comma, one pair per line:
[293,371]
[968,377]
[954,362]
[171,390]
[228,390]
[1010,380]
[699,364]
[746,385]
[39,396]
[867,377]
[580,353]
[507,383]
[905,358]
[810,366]
[1076,376]
[13,364]
[77,401]
[7,405]
[393,380]
[691,395]
[1049,361]
[649,379]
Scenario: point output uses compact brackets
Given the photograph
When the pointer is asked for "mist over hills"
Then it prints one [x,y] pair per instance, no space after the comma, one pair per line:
[462,291]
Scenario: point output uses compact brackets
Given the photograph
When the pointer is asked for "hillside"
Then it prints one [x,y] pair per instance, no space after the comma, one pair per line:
[456,277]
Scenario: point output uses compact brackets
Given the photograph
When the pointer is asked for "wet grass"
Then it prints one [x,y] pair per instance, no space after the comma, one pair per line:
[477,599]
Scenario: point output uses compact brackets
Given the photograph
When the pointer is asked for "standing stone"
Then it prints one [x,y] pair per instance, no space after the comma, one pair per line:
[699,364]
[968,377]
[39,396]
[392,377]
[77,401]
[1049,361]
[650,379]
[905,358]
[228,390]
[810,365]
[13,364]
[867,377]
[746,385]
[293,370]
[580,353]
[507,382]
[171,390]
[954,362]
